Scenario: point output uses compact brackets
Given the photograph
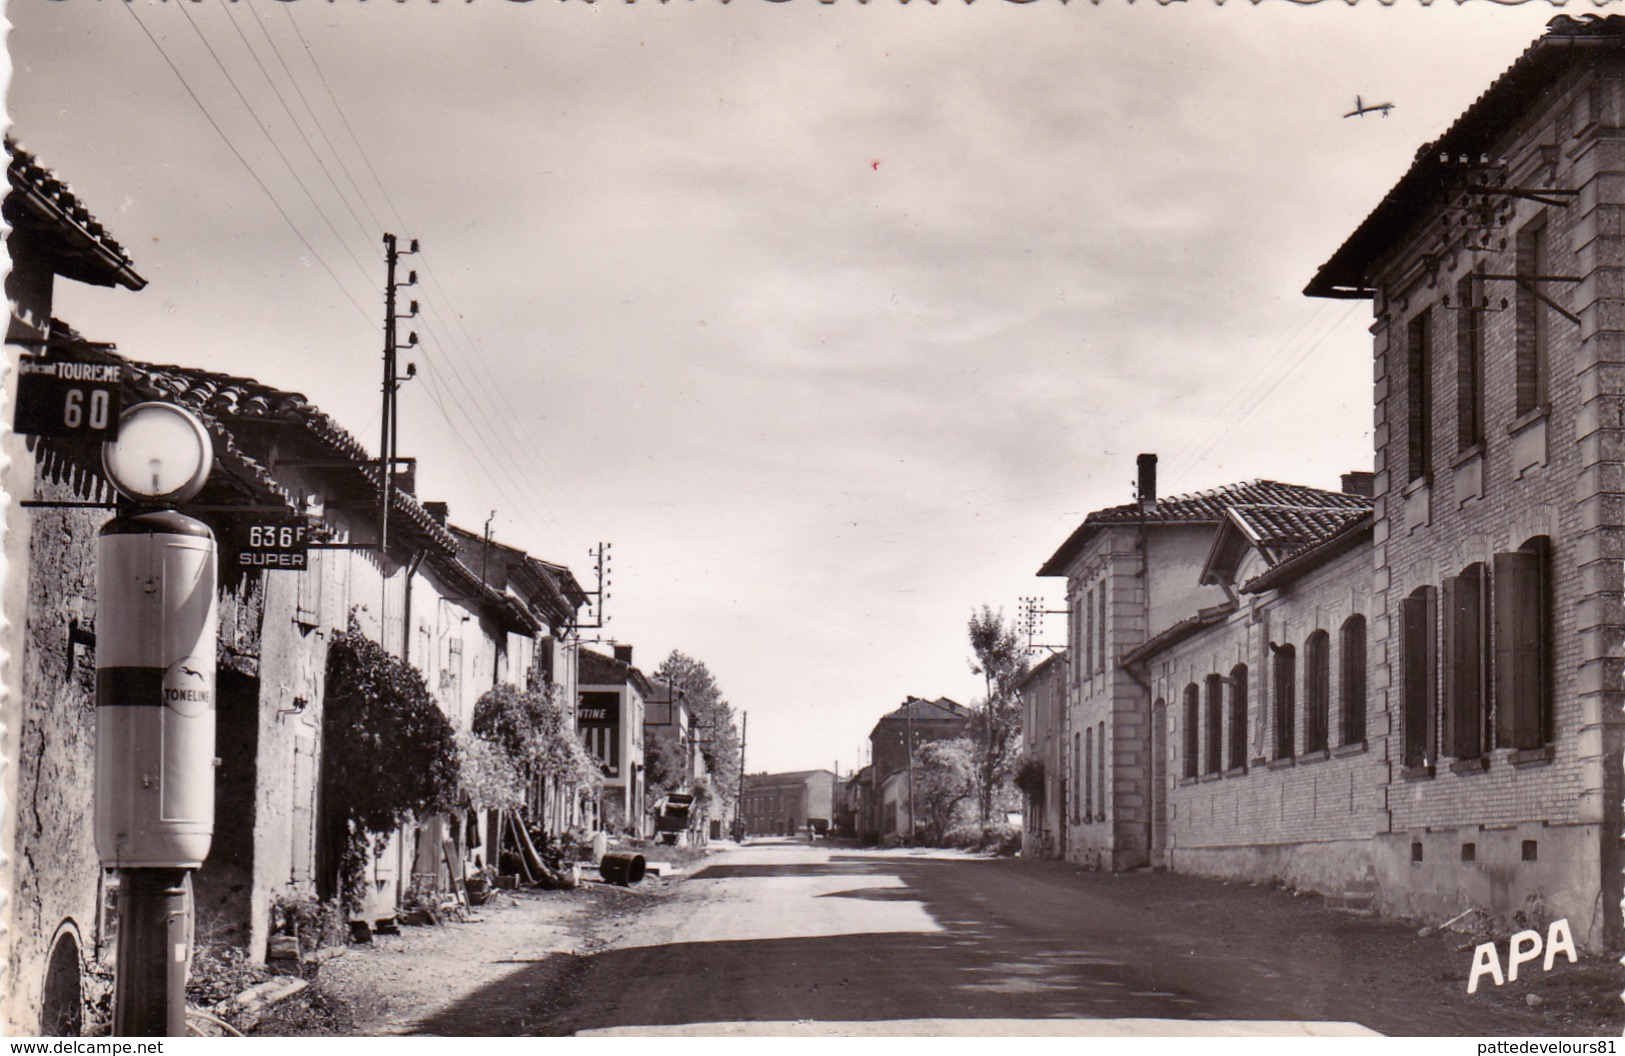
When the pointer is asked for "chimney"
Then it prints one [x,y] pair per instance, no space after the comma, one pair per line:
[1146,491]
[623,653]
[1361,482]
[437,510]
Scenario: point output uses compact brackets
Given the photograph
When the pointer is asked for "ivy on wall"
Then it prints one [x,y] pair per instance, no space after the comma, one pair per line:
[390,753]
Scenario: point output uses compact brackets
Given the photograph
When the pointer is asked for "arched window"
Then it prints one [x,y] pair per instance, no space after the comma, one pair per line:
[1238,717]
[1286,700]
[1317,691]
[1215,724]
[1351,682]
[1077,776]
[1193,721]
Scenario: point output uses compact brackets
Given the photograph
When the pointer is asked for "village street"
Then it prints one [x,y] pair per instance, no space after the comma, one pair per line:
[778,936]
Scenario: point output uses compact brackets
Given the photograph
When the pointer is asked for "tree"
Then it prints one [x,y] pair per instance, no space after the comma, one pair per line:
[944,777]
[712,717]
[996,723]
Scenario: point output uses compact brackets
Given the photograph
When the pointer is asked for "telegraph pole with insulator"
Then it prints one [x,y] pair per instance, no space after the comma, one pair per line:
[390,430]
[156,571]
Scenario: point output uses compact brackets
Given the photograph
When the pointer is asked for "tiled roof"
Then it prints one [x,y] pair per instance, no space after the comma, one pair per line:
[227,405]
[1280,531]
[1567,41]
[1294,564]
[1200,507]
[238,401]
[919,709]
[1177,633]
[81,247]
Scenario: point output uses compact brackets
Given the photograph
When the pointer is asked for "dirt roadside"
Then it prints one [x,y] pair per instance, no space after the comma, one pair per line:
[405,984]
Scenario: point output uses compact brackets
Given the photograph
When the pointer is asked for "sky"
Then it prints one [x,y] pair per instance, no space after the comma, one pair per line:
[833,320]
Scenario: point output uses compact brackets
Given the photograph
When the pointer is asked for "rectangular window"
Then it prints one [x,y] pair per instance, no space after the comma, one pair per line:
[1101,628]
[1469,367]
[1286,700]
[1089,633]
[1077,784]
[1534,317]
[1417,616]
[1466,679]
[1419,397]
[1088,773]
[1100,774]
[1523,646]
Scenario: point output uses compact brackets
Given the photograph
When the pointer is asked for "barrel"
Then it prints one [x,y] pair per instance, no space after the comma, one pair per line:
[621,867]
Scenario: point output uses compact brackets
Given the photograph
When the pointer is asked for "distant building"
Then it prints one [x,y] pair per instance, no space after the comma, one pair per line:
[892,743]
[1041,770]
[789,804]
[609,716]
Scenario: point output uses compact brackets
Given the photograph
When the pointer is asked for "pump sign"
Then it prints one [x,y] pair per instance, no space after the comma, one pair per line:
[58,397]
[271,542]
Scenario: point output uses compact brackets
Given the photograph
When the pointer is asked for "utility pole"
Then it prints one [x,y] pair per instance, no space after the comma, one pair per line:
[908,722]
[739,799]
[389,430]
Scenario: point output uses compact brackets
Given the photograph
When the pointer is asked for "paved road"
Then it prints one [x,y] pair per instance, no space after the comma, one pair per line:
[824,940]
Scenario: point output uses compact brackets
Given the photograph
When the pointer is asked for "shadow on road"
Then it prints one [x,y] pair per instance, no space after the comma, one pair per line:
[1013,943]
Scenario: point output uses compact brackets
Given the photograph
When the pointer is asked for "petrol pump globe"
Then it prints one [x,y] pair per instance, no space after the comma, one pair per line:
[162,455]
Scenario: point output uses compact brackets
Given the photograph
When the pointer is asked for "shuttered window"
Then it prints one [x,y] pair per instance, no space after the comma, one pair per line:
[1523,652]
[1286,700]
[1417,614]
[1466,656]
[1317,691]
[1215,724]
[1352,682]
[1238,717]
[1193,719]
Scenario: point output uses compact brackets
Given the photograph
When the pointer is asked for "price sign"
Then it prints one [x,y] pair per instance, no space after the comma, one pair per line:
[271,542]
[58,397]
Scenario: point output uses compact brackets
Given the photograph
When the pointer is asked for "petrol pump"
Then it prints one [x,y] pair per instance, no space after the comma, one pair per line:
[156,635]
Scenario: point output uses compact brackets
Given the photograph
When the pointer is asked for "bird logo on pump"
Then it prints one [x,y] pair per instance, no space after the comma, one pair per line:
[187,690]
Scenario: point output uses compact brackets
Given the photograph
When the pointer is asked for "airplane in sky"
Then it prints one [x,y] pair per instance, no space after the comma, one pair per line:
[1360,109]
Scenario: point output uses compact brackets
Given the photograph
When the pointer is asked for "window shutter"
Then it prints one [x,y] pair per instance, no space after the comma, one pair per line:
[1463,666]
[1519,650]
[1417,635]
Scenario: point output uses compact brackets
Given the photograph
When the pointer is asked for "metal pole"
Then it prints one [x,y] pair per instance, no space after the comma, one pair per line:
[149,994]
[739,799]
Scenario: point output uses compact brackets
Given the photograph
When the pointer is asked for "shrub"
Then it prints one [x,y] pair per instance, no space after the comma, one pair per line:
[390,753]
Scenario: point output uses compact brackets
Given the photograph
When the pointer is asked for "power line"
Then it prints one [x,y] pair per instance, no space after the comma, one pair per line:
[255,176]
[275,146]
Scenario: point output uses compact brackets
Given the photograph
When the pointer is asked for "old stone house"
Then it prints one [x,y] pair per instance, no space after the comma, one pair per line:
[274,451]
[610,717]
[1494,267]
[1043,761]
[1263,764]
[1135,572]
